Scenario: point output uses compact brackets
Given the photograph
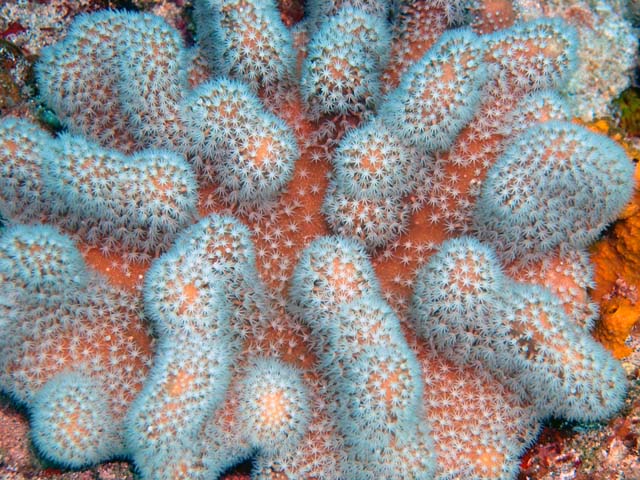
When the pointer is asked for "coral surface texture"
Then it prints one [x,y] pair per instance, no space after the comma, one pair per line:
[350,244]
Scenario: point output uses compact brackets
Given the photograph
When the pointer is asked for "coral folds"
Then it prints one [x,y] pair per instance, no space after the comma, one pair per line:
[353,247]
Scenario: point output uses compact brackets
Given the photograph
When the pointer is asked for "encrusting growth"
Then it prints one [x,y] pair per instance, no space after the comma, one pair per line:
[249,331]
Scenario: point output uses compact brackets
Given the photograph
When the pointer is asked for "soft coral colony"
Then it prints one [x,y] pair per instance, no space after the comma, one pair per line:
[361,239]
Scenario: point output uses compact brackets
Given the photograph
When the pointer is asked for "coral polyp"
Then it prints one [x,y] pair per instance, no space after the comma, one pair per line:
[323,248]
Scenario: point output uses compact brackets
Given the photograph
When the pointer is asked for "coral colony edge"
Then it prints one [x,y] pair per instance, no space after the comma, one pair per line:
[347,247]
